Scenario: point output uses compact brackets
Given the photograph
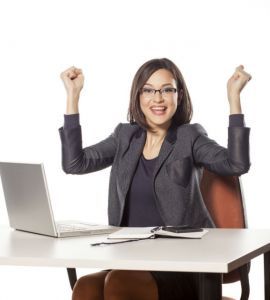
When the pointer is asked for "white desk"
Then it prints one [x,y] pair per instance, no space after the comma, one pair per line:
[220,251]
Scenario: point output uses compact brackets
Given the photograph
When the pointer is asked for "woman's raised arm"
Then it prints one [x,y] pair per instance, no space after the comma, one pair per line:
[233,160]
[75,158]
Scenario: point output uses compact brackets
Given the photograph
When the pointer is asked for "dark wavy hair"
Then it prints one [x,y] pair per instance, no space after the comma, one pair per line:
[184,110]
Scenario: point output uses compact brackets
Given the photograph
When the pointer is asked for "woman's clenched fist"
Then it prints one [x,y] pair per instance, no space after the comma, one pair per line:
[73,80]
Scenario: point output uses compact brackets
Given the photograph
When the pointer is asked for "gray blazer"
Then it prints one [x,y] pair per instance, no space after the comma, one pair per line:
[176,181]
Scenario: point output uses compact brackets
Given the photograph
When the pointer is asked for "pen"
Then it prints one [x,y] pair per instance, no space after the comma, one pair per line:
[155,229]
[126,241]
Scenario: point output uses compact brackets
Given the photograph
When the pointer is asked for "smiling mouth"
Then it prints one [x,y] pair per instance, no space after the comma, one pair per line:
[158,110]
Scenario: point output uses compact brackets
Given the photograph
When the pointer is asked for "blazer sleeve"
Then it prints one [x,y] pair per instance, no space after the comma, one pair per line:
[79,160]
[233,160]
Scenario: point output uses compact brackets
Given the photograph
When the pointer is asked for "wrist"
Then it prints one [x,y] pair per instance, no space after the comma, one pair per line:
[72,106]
[73,96]
[235,104]
[235,108]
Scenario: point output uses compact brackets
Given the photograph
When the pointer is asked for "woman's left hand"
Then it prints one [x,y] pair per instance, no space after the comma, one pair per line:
[234,87]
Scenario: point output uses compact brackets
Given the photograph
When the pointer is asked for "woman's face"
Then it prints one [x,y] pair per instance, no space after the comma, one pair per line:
[159,108]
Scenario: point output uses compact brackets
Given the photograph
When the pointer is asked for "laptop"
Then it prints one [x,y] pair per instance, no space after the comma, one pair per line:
[29,207]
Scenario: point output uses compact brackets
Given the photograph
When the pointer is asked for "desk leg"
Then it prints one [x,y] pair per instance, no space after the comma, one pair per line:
[267,275]
[210,286]
[244,281]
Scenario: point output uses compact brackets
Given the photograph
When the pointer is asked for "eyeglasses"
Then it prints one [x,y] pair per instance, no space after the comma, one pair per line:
[166,92]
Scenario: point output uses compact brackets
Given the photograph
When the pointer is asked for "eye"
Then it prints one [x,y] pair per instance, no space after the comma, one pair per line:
[168,90]
[147,91]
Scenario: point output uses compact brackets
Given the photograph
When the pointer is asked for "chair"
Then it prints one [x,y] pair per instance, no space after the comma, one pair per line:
[223,198]
[72,276]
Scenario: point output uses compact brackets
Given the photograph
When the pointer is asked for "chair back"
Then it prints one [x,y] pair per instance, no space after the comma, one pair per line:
[224,200]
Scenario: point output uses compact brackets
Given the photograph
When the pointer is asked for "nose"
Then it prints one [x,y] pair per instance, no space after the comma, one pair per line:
[158,97]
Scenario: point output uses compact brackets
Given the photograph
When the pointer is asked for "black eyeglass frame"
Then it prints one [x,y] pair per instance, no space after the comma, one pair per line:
[160,90]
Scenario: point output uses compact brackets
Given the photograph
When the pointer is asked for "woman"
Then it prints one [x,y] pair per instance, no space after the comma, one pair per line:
[156,162]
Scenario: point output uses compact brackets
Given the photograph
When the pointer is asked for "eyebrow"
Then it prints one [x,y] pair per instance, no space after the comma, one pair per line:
[161,85]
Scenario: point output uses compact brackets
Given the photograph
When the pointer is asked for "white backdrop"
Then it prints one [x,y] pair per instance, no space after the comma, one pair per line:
[110,40]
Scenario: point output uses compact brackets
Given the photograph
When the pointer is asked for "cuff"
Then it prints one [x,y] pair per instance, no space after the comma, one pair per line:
[71,121]
[236,120]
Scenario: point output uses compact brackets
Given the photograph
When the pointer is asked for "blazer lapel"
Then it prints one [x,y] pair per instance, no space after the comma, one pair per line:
[129,161]
[166,148]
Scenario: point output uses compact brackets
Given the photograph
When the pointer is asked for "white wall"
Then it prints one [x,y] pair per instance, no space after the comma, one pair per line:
[110,40]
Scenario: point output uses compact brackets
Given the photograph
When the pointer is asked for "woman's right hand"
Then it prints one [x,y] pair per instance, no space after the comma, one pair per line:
[73,80]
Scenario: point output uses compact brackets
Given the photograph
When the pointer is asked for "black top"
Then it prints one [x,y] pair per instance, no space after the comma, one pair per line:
[140,207]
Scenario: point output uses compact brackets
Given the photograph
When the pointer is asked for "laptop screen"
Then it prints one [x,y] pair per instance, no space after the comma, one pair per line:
[27,197]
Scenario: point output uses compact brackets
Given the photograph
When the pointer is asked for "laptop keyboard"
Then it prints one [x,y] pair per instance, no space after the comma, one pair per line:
[61,227]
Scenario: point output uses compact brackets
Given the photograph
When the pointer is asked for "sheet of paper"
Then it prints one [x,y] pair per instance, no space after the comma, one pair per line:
[132,232]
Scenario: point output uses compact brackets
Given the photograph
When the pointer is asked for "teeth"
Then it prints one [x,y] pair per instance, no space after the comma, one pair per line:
[158,108]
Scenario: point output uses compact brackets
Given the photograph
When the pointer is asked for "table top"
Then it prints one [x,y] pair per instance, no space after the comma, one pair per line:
[219,251]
